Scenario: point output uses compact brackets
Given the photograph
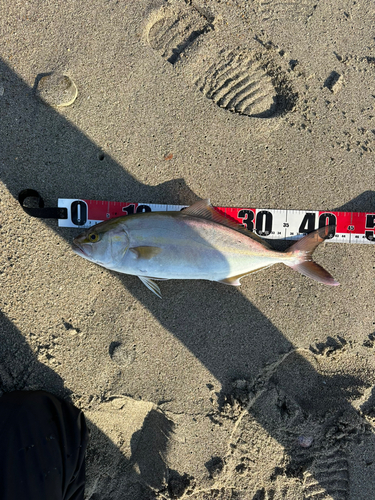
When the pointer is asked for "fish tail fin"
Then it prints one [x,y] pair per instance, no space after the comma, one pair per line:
[302,252]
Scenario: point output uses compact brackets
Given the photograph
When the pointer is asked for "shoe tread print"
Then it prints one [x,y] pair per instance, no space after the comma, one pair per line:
[237,82]
[329,476]
[280,9]
[240,80]
[171,32]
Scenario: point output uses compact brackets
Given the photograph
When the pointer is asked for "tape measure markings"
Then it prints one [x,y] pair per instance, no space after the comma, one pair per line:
[351,227]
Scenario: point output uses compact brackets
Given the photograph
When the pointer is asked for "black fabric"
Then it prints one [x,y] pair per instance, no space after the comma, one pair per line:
[42,447]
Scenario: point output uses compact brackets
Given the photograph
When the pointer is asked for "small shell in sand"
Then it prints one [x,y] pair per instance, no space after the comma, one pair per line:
[57,90]
[305,441]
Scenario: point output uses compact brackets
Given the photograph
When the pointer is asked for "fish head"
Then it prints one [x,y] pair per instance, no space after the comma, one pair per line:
[105,243]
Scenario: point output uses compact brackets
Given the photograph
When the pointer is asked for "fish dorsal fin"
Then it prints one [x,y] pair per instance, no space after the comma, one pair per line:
[145,252]
[204,210]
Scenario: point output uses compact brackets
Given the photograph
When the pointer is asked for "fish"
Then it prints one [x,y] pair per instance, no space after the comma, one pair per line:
[195,243]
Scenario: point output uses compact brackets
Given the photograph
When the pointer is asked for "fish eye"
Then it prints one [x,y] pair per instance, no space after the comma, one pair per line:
[93,237]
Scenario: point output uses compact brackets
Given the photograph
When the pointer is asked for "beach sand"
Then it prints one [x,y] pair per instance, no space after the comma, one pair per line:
[264,392]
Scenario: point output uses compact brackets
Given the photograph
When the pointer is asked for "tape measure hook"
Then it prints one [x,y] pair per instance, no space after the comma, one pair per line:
[41,211]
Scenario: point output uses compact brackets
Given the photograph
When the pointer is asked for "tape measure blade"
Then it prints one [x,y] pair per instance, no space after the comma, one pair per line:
[165,208]
[351,227]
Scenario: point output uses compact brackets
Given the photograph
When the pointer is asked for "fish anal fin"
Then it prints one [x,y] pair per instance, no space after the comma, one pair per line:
[151,285]
[145,252]
[235,280]
[204,210]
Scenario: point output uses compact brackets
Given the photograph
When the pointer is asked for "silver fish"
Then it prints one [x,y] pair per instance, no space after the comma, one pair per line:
[196,243]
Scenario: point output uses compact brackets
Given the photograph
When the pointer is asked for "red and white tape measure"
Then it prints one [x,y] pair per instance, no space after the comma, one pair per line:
[351,227]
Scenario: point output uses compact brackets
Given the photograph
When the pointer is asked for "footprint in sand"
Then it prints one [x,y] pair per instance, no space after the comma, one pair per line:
[56,89]
[241,80]
[328,476]
[319,439]
[315,466]
[281,9]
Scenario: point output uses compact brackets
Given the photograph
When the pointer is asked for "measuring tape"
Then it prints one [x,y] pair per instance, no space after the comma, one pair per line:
[350,227]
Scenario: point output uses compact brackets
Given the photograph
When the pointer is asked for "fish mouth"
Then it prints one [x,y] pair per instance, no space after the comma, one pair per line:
[78,250]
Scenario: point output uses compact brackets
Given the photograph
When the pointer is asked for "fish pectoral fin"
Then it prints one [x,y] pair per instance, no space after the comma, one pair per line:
[151,285]
[235,280]
[145,252]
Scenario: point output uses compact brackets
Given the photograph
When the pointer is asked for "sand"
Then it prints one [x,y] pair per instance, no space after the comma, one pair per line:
[260,393]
